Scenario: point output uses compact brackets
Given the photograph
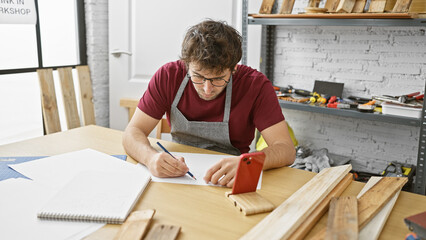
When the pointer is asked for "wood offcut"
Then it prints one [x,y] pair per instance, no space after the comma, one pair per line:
[162,232]
[266,6]
[287,7]
[135,226]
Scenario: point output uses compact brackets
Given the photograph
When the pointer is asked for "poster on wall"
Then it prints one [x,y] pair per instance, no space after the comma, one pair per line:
[17,12]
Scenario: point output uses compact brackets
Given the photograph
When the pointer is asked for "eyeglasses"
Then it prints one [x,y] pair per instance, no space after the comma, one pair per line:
[217,82]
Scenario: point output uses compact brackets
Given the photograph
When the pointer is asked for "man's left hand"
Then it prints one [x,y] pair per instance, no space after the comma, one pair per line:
[223,172]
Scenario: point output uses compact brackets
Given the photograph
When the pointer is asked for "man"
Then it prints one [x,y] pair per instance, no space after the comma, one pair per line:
[211,102]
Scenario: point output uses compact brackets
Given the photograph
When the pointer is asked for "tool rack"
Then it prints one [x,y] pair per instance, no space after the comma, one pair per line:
[267,65]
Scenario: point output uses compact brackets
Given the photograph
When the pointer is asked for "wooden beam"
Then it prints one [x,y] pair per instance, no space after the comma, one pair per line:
[287,7]
[86,95]
[373,229]
[342,221]
[331,5]
[287,217]
[402,6]
[68,96]
[377,6]
[48,101]
[345,6]
[373,200]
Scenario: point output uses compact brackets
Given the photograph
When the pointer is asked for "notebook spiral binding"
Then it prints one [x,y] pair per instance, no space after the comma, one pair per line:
[79,218]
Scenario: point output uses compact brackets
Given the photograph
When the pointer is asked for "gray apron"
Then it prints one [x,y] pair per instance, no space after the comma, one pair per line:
[208,135]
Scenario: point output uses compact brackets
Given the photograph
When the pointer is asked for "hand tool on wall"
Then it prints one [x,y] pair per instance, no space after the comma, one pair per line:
[367,107]
[410,97]
[332,102]
[290,89]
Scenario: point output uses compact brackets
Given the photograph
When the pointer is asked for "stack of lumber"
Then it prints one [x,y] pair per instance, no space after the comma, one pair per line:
[296,216]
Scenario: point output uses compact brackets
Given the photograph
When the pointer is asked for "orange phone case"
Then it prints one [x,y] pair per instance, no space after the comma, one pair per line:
[248,172]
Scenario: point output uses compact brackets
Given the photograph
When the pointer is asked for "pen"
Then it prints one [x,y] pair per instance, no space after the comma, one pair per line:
[165,150]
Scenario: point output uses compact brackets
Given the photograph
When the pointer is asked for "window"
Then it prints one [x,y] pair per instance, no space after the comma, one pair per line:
[58,40]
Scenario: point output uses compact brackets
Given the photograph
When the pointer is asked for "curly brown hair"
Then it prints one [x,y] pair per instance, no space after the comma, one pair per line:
[213,45]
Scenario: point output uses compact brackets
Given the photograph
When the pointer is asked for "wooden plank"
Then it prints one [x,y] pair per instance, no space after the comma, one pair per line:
[331,5]
[266,6]
[342,221]
[377,6]
[417,6]
[48,101]
[345,6]
[374,199]
[390,4]
[86,95]
[287,6]
[319,211]
[135,226]
[372,230]
[287,217]
[163,232]
[69,99]
[359,6]
[341,15]
[402,6]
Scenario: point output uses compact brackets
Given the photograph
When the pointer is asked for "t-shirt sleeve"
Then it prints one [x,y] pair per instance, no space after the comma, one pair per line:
[266,110]
[154,101]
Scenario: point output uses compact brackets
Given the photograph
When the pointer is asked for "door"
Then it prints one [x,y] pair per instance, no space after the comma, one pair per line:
[144,35]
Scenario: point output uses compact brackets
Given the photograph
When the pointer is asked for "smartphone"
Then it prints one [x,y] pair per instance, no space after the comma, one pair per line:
[248,172]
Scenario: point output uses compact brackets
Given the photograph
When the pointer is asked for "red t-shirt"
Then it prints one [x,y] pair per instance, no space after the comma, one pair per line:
[254,103]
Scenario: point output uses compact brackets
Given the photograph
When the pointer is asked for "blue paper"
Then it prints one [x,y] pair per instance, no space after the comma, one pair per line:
[6,172]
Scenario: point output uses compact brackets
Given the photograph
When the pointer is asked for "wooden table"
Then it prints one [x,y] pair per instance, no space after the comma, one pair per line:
[203,212]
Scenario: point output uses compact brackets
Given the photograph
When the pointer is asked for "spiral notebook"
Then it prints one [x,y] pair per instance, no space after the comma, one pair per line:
[97,196]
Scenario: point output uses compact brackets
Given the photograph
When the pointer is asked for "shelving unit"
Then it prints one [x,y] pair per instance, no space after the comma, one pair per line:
[266,66]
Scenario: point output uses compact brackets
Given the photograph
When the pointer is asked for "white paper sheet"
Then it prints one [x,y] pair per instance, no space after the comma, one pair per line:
[56,171]
[20,200]
[198,165]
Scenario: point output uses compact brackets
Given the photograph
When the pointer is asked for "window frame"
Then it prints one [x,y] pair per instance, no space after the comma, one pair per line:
[82,49]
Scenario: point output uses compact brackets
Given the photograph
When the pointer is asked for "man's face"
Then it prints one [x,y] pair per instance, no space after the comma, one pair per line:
[202,81]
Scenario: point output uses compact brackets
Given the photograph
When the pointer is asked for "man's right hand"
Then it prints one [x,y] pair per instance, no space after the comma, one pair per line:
[164,165]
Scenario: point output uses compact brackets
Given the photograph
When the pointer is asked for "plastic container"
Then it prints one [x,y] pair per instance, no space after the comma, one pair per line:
[393,109]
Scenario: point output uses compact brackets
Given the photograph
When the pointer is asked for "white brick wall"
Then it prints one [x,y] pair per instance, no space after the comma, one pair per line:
[97,54]
[369,61]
